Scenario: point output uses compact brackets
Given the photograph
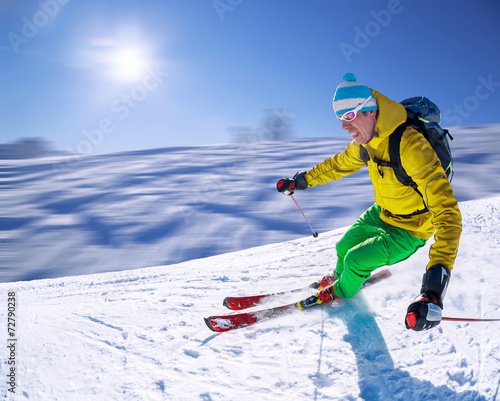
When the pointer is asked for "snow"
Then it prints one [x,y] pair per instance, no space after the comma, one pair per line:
[139,334]
[92,214]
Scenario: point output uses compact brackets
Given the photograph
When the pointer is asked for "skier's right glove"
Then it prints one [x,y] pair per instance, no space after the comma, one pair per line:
[288,185]
[426,309]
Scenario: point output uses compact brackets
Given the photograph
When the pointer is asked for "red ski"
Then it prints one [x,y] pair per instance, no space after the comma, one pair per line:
[231,322]
[239,303]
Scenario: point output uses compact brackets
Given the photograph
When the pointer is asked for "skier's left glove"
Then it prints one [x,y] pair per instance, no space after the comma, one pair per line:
[426,309]
[287,186]
[424,313]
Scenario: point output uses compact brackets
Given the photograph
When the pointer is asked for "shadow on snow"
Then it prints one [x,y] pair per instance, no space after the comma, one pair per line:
[378,378]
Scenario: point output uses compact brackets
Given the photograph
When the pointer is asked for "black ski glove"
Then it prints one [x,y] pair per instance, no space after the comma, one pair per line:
[287,186]
[426,309]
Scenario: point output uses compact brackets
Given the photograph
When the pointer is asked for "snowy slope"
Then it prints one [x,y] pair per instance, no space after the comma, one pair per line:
[139,334]
[65,216]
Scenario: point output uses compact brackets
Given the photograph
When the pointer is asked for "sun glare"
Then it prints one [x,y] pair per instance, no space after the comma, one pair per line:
[116,60]
[127,63]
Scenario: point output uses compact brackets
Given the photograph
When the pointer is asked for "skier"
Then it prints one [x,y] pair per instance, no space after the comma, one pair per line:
[401,220]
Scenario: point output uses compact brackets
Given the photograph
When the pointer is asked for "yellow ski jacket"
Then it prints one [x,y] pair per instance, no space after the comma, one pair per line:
[397,200]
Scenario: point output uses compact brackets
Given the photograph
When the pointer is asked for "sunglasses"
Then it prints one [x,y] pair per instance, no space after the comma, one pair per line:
[351,115]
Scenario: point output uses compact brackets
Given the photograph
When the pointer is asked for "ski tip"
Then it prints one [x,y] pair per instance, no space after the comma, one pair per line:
[208,321]
[226,303]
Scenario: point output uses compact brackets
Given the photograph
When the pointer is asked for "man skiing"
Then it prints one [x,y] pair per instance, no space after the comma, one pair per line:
[402,218]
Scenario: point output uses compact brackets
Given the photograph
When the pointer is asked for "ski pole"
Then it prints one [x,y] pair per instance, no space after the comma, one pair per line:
[315,234]
[465,319]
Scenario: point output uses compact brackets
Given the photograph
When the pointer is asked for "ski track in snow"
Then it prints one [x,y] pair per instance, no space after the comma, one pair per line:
[139,334]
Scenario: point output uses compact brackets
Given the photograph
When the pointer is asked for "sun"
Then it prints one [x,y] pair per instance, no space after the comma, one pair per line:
[127,63]
[115,59]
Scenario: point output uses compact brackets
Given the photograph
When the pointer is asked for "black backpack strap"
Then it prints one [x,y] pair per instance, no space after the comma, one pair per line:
[363,154]
[395,156]
[395,162]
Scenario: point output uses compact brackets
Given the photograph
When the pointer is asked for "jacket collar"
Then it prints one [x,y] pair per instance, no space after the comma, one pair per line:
[391,115]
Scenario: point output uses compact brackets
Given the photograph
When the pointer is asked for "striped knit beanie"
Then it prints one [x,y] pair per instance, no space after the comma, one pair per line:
[350,94]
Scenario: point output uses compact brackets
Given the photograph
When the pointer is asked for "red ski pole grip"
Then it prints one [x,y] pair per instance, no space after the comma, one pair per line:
[411,319]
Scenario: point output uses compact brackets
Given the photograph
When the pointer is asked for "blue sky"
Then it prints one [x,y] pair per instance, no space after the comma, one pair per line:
[100,76]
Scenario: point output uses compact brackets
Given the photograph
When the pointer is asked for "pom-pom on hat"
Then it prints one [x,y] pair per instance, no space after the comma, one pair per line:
[350,94]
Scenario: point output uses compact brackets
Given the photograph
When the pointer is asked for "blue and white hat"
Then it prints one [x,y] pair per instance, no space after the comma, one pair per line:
[350,94]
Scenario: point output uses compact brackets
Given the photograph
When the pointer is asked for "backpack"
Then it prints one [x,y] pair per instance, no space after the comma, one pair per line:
[424,116]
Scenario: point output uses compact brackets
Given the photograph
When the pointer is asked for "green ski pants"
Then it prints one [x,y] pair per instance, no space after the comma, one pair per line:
[367,245]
